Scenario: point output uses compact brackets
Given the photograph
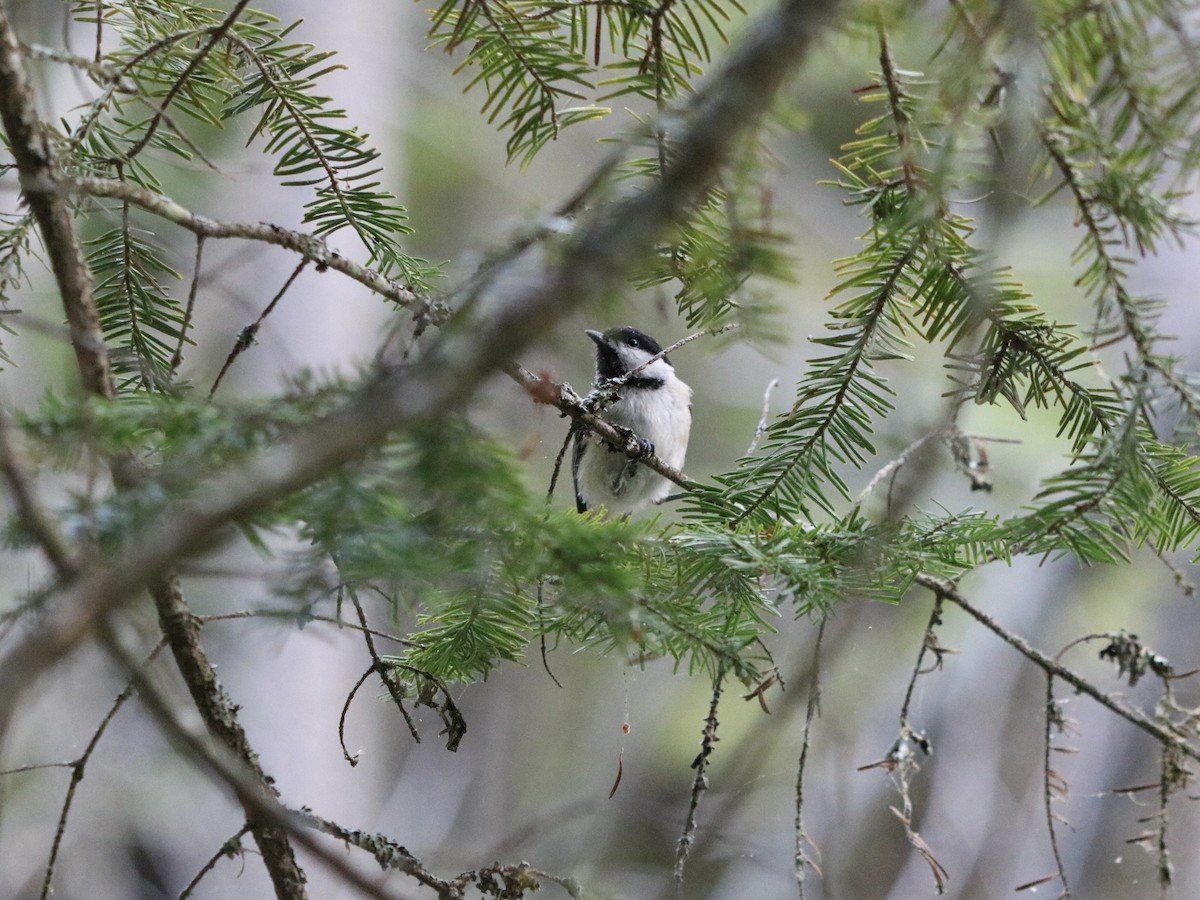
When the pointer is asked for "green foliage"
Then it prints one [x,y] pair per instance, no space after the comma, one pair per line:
[303,131]
[917,277]
[142,323]
[165,92]
[531,57]
[442,523]
[528,65]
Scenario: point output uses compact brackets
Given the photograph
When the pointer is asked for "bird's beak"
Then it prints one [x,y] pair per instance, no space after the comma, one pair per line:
[598,337]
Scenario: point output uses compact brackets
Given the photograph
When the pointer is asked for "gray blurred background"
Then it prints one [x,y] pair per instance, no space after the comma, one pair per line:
[532,777]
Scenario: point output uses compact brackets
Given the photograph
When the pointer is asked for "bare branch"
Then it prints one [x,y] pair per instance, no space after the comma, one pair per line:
[803,859]
[267,614]
[696,335]
[386,673]
[945,589]
[219,713]
[1054,717]
[761,427]
[228,850]
[387,852]
[245,339]
[177,356]
[307,245]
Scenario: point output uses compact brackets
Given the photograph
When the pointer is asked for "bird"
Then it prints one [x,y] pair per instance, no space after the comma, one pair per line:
[653,404]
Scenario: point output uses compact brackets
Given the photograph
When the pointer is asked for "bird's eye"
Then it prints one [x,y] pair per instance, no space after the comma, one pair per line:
[634,342]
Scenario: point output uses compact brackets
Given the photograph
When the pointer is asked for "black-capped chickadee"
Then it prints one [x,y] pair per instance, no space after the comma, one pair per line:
[654,404]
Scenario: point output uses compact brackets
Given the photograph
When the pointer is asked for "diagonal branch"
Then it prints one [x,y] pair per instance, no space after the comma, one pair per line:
[34,156]
[1052,667]
[307,245]
[30,512]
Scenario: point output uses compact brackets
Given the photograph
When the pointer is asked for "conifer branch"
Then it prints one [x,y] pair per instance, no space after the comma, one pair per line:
[214,38]
[608,241]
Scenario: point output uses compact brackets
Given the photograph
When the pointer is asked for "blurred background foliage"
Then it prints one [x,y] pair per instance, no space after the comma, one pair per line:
[444,533]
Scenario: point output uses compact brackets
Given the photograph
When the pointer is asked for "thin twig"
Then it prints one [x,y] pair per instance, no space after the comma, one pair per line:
[761,427]
[98,69]
[542,642]
[453,722]
[392,856]
[904,141]
[894,465]
[177,356]
[928,642]
[1170,778]
[271,614]
[619,381]
[245,339]
[901,760]
[307,245]
[1052,711]
[353,760]
[386,673]
[35,767]
[802,859]
[77,771]
[708,742]
[387,852]
[30,512]
[558,461]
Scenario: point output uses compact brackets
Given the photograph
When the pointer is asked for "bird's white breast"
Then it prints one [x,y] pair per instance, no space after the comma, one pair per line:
[660,415]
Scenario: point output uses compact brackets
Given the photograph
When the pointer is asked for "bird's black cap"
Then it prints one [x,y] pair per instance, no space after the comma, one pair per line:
[608,361]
